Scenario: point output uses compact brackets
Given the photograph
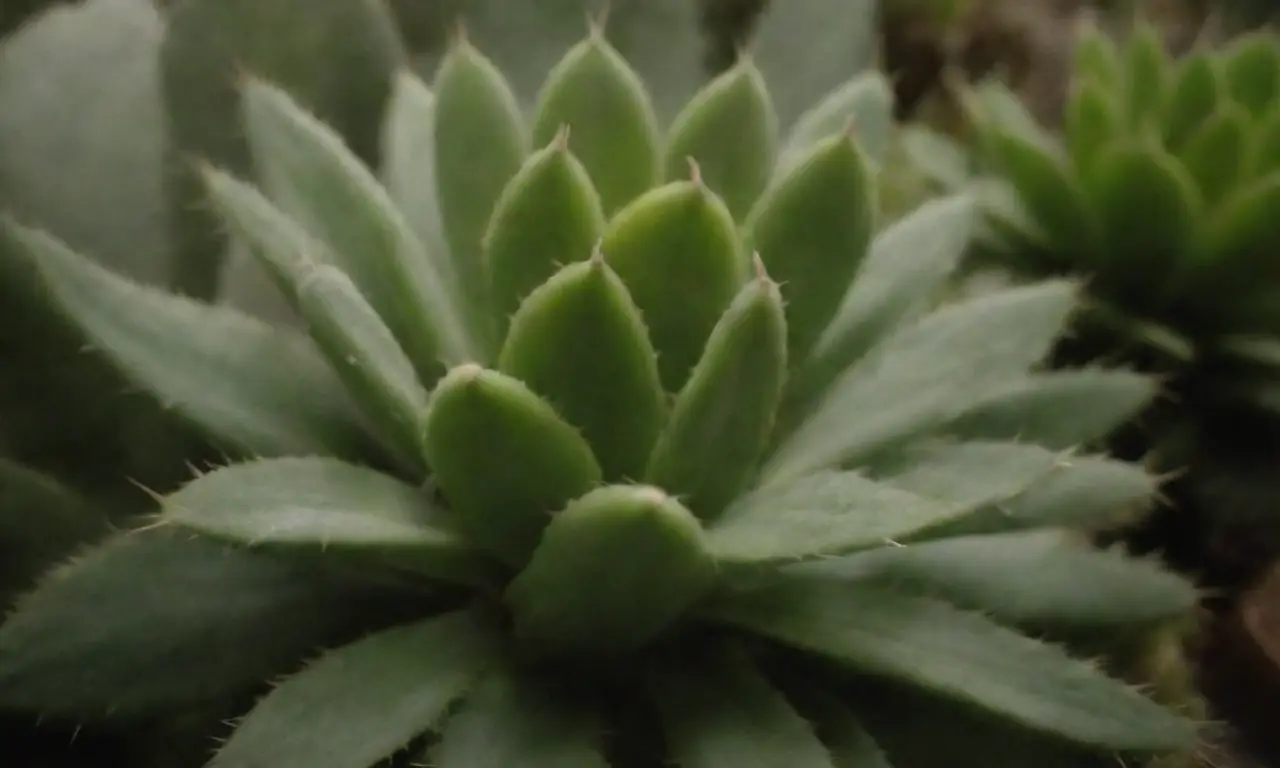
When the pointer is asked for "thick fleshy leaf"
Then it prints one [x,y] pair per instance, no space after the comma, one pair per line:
[942,159]
[721,420]
[614,569]
[326,506]
[153,621]
[731,131]
[1097,59]
[961,656]
[1217,153]
[948,362]
[865,101]
[409,165]
[902,276]
[255,389]
[1041,579]
[1251,67]
[1196,95]
[825,514]
[1139,182]
[677,250]
[848,741]
[970,474]
[808,47]
[613,128]
[1093,122]
[813,229]
[1265,156]
[548,216]
[314,178]
[728,715]
[515,719]
[1237,243]
[480,144]
[579,342]
[993,106]
[503,459]
[1147,70]
[1057,409]
[1053,196]
[388,687]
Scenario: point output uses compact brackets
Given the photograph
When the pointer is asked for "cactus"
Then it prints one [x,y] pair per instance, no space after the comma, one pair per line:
[722,473]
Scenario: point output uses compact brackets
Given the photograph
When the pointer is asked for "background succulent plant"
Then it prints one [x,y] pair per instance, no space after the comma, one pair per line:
[702,473]
[1189,149]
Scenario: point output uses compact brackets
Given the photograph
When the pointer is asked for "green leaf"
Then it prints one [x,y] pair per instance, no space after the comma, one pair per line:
[409,165]
[1042,579]
[942,159]
[995,108]
[348,332]
[825,514]
[548,216]
[613,128]
[257,390]
[970,475]
[1251,67]
[1057,409]
[314,506]
[1264,158]
[503,459]
[1196,95]
[864,100]
[850,744]
[926,374]
[721,420]
[1084,492]
[903,273]
[1240,235]
[1097,60]
[726,714]
[387,687]
[805,48]
[480,144]
[1093,122]
[613,570]
[311,176]
[1052,194]
[1141,182]
[516,719]
[1147,80]
[151,622]
[812,230]
[961,656]
[580,342]
[731,131]
[1217,154]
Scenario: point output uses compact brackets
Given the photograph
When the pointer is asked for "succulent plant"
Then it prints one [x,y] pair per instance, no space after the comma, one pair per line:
[607,445]
[1162,193]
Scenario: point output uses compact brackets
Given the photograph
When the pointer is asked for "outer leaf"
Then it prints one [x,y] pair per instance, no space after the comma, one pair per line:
[614,130]
[1138,182]
[1265,157]
[1252,71]
[312,177]
[1217,154]
[961,656]
[825,514]
[1059,409]
[843,734]
[808,47]
[388,687]
[119,631]
[1240,233]
[727,715]
[947,362]
[409,165]
[513,719]
[1097,59]
[812,229]
[322,505]
[1042,579]
[1147,69]
[1050,192]
[677,250]
[255,389]
[614,569]
[548,215]
[970,474]
[480,143]
[905,269]
[503,458]
[580,342]
[1093,122]
[730,130]
[1195,97]
[721,420]
[864,100]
